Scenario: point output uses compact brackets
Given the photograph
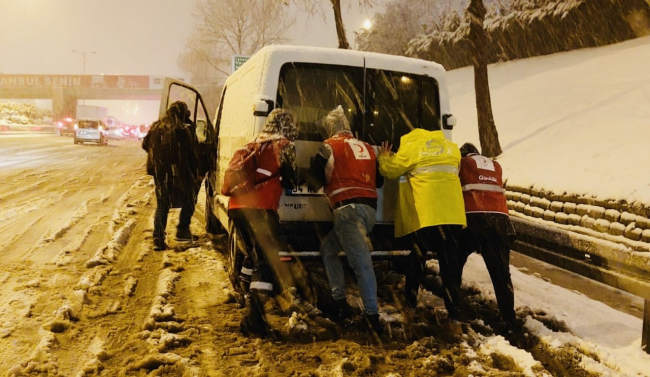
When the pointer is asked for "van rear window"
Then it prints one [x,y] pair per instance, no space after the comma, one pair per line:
[381,105]
[88,124]
[310,91]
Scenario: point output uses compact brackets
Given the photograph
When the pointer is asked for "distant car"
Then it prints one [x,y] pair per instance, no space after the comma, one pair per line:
[115,133]
[91,131]
[142,131]
[65,127]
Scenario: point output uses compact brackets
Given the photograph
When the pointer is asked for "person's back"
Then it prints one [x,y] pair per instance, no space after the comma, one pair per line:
[274,156]
[426,165]
[482,183]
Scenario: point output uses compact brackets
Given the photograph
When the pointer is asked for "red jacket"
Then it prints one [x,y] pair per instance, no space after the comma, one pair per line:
[482,183]
[266,194]
[350,170]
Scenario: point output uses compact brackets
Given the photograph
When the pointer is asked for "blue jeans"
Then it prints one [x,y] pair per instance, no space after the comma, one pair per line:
[351,225]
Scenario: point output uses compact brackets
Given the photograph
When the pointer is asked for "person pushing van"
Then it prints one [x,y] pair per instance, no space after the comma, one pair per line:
[489,229]
[430,204]
[253,208]
[347,167]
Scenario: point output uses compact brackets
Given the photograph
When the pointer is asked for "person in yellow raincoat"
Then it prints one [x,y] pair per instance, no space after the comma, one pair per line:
[430,206]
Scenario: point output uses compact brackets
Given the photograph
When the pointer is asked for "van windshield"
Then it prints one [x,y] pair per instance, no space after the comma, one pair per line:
[89,124]
[390,104]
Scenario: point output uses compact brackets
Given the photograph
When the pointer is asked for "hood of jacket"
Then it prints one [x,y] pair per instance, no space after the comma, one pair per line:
[333,123]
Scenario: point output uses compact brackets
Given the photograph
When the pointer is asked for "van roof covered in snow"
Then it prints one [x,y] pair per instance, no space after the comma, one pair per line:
[272,56]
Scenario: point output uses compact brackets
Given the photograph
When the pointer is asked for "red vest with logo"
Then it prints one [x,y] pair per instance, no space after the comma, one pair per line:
[266,194]
[482,185]
[351,170]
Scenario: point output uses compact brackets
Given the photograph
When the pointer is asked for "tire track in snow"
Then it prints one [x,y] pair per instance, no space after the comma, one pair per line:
[77,216]
[3,197]
[90,282]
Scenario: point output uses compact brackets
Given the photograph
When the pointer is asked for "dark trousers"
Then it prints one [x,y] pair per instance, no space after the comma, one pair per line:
[444,241]
[160,217]
[495,249]
[260,232]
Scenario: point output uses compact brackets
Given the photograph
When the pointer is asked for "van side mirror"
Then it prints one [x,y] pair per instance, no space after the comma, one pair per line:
[448,121]
[263,108]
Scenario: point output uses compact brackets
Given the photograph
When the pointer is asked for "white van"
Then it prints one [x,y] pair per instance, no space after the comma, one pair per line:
[384,97]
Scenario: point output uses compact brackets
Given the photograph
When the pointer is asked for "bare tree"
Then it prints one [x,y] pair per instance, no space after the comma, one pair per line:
[318,7]
[231,27]
[487,130]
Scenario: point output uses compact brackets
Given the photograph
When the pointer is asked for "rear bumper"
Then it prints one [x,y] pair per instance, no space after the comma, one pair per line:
[303,239]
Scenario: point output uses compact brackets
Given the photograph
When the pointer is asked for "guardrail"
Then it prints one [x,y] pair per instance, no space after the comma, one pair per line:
[588,257]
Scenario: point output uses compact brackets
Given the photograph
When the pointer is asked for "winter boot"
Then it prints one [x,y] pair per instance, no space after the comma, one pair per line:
[254,320]
[159,244]
[375,324]
[338,310]
[185,235]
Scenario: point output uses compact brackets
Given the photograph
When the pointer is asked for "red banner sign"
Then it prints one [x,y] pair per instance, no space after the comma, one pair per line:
[76,81]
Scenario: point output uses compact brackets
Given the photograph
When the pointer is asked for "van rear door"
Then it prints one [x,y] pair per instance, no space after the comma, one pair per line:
[310,91]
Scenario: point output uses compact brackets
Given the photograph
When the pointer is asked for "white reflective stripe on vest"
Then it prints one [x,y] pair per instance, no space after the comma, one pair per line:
[264,171]
[262,286]
[340,190]
[246,271]
[435,169]
[482,187]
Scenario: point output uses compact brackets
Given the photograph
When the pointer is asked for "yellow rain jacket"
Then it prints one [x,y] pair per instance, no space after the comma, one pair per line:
[429,188]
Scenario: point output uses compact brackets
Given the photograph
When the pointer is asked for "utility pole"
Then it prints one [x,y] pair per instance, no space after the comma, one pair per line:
[84,53]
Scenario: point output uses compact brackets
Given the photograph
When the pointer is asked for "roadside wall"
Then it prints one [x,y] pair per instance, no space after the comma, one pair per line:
[624,223]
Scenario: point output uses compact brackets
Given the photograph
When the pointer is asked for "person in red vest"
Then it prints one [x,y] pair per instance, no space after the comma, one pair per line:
[489,229]
[255,216]
[348,169]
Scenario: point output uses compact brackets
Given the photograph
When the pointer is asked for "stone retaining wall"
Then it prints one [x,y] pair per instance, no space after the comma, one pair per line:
[616,221]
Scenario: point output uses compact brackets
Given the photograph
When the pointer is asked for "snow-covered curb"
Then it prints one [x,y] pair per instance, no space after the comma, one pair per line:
[620,222]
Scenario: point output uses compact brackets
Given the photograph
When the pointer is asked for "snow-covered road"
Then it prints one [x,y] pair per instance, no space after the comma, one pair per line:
[82,293]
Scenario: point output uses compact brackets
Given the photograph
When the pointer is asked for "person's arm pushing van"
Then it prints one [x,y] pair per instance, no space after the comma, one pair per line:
[391,165]
[317,177]
[288,166]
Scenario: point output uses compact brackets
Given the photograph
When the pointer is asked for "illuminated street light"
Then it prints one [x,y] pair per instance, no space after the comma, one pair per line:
[367,24]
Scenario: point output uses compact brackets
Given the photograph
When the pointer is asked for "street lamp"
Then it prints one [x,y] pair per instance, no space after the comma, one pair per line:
[367,24]
[84,53]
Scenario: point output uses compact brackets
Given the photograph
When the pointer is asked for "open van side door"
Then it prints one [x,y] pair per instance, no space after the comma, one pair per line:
[176,90]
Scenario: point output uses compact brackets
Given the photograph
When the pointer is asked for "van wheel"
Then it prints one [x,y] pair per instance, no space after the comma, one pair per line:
[235,258]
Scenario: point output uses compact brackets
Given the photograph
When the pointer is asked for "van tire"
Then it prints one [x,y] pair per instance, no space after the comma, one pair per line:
[235,258]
